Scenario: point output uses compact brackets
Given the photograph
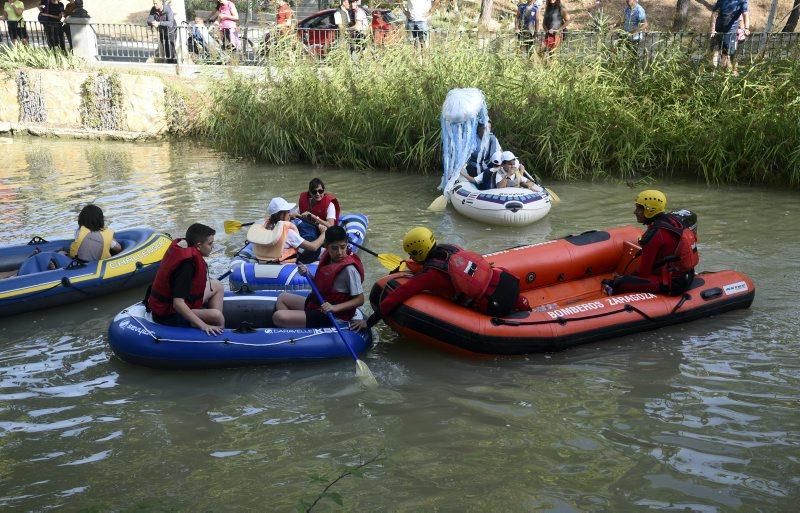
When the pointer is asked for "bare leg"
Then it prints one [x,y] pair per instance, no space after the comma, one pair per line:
[290,311]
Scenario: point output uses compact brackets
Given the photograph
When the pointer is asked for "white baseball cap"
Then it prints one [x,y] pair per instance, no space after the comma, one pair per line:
[508,156]
[279,205]
[497,158]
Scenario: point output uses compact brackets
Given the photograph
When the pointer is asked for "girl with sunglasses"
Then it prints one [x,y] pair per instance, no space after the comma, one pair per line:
[317,207]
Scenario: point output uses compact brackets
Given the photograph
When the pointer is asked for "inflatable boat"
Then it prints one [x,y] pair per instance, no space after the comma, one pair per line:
[562,281]
[249,338]
[142,251]
[245,271]
[509,206]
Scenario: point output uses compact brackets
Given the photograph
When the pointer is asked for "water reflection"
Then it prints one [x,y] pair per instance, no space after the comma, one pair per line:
[700,416]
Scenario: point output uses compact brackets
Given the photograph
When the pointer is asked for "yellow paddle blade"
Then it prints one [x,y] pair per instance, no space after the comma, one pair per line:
[389,261]
[438,205]
[554,199]
[365,375]
[232,226]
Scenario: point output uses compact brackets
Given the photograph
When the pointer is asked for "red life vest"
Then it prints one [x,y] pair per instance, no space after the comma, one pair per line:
[160,299]
[321,208]
[324,278]
[470,273]
[686,256]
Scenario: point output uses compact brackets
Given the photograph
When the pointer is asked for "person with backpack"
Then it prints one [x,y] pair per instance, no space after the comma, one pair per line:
[447,270]
[669,251]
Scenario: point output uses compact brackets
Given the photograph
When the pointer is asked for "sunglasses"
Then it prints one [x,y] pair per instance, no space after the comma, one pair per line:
[318,191]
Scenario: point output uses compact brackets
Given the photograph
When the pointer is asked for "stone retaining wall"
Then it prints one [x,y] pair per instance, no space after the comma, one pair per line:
[91,101]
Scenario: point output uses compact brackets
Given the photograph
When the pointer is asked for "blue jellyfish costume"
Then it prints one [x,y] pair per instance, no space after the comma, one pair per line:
[462,112]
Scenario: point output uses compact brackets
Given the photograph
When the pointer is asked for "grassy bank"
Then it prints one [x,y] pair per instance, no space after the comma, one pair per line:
[564,118]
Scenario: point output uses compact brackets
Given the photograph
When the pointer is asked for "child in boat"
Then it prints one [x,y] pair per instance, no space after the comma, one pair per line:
[339,277]
[182,294]
[513,174]
[278,239]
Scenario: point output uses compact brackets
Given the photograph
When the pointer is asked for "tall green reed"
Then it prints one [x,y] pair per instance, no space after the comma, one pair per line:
[567,117]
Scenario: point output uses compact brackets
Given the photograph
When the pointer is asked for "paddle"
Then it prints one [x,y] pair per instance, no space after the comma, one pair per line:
[233,226]
[362,371]
[388,260]
[438,205]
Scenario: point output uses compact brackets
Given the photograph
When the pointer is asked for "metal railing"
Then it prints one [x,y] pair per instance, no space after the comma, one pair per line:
[257,45]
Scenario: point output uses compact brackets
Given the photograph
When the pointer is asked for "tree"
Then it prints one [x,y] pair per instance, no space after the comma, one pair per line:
[794,16]
[487,6]
[682,15]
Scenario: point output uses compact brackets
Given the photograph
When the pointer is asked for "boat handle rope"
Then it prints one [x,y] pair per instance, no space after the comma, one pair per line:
[497,321]
[158,339]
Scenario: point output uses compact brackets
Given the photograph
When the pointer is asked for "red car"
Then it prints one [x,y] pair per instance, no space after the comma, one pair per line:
[319,32]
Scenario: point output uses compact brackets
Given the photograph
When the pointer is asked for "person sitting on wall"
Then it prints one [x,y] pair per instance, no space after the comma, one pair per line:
[182,294]
[339,277]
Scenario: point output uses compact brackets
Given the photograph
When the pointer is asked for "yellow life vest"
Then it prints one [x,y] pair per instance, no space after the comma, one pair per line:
[275,251]
[108,237]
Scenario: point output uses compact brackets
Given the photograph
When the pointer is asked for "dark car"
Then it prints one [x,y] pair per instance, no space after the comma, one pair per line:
[319,32]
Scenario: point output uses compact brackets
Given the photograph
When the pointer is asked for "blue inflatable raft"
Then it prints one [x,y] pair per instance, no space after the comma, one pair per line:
[246,272]
[249,338]
[142,251]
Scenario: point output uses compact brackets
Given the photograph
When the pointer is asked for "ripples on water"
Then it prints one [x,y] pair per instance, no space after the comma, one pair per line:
[698,417]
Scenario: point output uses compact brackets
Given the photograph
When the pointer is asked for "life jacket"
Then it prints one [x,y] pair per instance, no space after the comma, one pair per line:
[277,251]
[324,278]
[108,237]
[686,256]
[159,300]
[321,208]
[469,272]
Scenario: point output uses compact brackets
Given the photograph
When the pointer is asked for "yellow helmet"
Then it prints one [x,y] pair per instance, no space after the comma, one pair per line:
[418,242]
[653,201]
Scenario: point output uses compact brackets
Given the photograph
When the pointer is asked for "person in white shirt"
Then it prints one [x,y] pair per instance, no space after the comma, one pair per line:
[417,14]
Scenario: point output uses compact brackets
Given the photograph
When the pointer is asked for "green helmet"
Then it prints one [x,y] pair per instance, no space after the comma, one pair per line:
[653,201]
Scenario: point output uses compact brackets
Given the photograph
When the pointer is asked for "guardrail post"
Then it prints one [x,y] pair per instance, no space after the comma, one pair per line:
[84,39]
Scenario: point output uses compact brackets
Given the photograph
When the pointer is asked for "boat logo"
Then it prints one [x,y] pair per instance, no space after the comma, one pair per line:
[735,288]
[137,256]
[125,324]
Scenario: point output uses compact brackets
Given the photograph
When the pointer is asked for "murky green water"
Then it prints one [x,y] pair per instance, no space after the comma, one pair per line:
[697,417]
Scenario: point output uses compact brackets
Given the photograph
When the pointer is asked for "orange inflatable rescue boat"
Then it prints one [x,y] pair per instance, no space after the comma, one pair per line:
[561,280]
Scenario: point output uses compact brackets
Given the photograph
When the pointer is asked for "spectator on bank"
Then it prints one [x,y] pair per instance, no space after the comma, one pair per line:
[162,17]
[51,14]
[200,41]
[418,12]
[361,26]
[284,17]
[555,20]
[68,10]
[341,18]
[12,12]
[634,20]
[724,24]
[528,22]
[226,15]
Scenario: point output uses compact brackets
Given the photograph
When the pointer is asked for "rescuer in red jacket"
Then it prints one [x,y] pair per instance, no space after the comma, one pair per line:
[669,251]
[455,273]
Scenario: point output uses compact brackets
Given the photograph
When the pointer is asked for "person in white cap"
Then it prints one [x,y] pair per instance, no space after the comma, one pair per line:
[488,178]
[513,174]
[279,241]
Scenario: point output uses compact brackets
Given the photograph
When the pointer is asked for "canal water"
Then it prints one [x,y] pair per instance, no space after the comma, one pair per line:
[696,417]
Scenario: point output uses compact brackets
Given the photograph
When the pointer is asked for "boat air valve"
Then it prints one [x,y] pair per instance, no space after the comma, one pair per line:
[514,206]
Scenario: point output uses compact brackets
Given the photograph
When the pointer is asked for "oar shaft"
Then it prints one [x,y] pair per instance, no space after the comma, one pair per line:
[359,246]
[330,317]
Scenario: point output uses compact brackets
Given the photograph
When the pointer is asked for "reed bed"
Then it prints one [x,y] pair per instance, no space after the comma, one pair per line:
[570,118]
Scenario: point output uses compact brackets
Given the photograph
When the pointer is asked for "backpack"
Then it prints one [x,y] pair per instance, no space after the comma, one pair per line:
[686,256]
